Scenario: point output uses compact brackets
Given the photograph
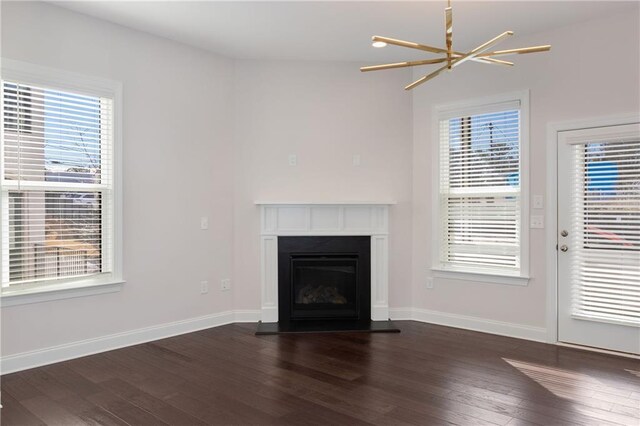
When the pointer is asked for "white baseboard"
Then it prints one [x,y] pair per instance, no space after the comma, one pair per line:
[25,360]
[247,315]
[380,313]
[401,314]
[538,334]
[269,314]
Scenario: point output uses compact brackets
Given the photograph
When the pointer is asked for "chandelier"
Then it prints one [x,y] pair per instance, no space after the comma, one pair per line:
[451,58]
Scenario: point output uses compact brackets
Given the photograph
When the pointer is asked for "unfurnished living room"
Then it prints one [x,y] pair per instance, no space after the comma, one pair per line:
[320,213]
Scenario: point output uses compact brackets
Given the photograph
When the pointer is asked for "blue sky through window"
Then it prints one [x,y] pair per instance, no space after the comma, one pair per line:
[491,140]
[71,132]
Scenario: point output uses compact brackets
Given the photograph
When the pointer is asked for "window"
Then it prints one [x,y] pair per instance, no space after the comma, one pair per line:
[481,192]
[605,212]
[58,184]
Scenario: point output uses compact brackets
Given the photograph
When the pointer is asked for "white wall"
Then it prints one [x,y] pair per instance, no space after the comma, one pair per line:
[592,70]
[324,113]
[177,141]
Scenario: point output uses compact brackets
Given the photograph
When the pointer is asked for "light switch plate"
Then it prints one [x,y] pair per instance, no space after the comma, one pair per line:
[293,160]
[536,222]
[204,222]
[356,160]
[225,284]
[429,282]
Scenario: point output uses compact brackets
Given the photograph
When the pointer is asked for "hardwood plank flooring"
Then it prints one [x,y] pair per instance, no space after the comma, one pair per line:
[426,375]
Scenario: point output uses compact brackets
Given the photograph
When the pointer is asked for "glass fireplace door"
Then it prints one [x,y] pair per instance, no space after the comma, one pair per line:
[324,287]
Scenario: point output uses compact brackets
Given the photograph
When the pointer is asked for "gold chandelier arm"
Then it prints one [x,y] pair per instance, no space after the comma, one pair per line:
[472,54]
[487,60]
[430,76]
[448,25]
[409,44]
[520,51]
[425,48]
[482,48]
[402,64]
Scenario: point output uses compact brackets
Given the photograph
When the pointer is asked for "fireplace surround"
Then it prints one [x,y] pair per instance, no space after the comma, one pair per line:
[367,220]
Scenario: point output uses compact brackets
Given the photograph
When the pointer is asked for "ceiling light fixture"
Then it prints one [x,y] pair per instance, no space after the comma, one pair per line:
[452,58]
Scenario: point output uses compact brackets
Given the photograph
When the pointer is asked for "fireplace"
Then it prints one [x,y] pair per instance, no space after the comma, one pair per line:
[324,278]
[324,267]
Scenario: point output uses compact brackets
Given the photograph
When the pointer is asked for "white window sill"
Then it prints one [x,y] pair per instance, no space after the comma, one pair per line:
[59,291]
[480,277]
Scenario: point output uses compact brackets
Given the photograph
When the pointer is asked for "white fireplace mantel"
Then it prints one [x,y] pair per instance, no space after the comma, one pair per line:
[312,218]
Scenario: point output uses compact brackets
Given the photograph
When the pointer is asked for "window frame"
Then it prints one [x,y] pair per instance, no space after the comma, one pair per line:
[37,75]
[467,108]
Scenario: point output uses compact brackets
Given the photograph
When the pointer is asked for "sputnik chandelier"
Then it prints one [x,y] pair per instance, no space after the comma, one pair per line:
[453,58]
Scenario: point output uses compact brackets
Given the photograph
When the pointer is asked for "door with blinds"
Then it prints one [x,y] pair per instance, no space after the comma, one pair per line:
[599,237]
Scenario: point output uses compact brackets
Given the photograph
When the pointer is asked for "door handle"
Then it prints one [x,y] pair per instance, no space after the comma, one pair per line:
[564,247]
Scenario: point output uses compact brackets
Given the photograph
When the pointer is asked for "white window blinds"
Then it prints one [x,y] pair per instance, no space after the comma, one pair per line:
[57,184]
[605,211]
[480,191]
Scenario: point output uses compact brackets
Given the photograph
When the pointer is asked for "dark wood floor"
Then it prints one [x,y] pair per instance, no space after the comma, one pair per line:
[427,375]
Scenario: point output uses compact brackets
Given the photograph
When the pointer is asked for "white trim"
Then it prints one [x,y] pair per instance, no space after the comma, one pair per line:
[551,211]
[269,278]
[52,78]
[598,350]
[483,105]
[78,83]
[25,360]
[297,219]
[401,314]
[336,219]
[58,292]
[480,277]
[379,278]
[32,359]
[519,331]
[246,315]
[474,106]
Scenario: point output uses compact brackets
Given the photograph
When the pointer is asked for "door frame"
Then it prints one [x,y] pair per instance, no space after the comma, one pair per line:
[551,210]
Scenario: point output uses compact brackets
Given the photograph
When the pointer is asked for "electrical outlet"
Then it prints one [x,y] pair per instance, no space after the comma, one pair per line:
[225,284]
[204,287]
[204,222]
[537,222]
[356,160]
[429,282]
[293,160]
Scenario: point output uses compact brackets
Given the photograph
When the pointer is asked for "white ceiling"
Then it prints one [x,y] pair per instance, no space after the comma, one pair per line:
[339,31]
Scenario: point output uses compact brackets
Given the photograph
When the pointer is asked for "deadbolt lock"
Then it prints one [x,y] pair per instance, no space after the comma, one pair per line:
[564,233]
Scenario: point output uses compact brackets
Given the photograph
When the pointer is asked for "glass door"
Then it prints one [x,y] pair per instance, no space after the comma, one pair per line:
[599,237]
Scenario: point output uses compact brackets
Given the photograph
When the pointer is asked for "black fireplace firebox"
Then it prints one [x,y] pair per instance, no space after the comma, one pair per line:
[324,279]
